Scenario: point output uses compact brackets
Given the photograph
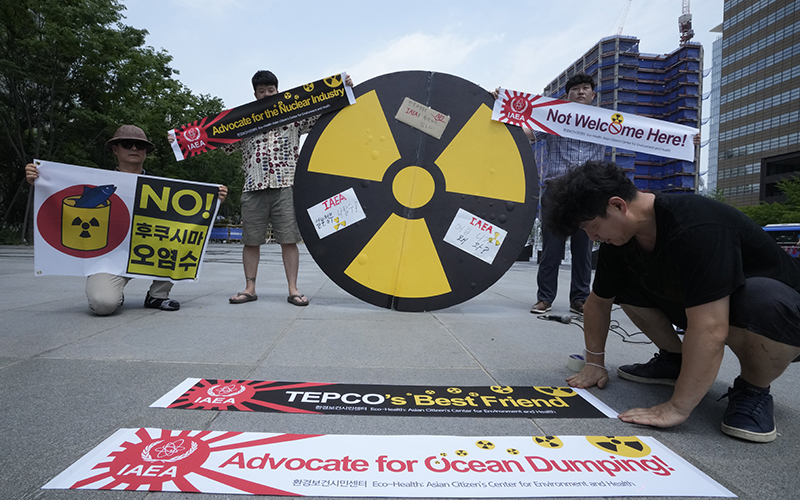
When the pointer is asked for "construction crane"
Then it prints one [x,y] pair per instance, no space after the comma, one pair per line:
[623,15]
[685,24]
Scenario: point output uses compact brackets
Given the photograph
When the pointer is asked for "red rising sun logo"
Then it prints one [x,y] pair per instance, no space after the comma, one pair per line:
[519,104]
[169,451]
[199,136]
[517,109]
[192,134]
[241,395]
[226,391]
[176,461]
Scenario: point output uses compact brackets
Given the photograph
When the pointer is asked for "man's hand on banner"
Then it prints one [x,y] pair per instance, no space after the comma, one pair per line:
[697,138]
[223,193]
[31,173]
[348,81]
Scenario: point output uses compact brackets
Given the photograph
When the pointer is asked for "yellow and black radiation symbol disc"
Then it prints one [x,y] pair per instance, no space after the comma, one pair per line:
[627,446]
[411,186]
[454,390]
[561,392]
[485,445]
[617,118]
[550,442]
[502,389]
[462,453]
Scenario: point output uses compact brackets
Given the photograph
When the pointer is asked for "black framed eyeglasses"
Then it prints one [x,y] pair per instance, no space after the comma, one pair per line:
[129,144]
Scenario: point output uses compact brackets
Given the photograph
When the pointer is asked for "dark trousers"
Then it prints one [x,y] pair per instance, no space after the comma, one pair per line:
[552,254]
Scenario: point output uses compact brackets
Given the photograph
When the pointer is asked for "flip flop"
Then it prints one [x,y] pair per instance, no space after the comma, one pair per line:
[246,298]
[295,300]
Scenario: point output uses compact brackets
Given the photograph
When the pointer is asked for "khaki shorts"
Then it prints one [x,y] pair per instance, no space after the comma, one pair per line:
[275,205]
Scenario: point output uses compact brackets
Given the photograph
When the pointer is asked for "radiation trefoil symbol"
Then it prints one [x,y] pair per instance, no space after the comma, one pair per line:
[333,81]
[627,446]
[85,218]
[85,226]
[412,186]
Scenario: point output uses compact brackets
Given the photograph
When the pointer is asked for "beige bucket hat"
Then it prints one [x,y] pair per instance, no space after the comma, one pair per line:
[130,132]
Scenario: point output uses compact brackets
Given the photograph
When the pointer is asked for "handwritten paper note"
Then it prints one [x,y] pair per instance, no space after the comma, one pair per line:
[336,213]
[475,236]
[422,118]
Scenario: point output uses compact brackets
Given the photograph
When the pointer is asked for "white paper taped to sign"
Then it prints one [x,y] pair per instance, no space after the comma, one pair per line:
[423,118]
[475,236]
[336,213]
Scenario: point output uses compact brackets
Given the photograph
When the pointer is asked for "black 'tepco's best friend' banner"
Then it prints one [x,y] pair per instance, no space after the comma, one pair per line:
[232,125]
[387,400]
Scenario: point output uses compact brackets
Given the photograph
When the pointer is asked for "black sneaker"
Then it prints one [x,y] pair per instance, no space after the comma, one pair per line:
[163,304]
[663,369]
[749,414]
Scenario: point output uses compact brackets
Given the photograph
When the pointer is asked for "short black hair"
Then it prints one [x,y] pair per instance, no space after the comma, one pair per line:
[582,194]
[579,79]
[265,78]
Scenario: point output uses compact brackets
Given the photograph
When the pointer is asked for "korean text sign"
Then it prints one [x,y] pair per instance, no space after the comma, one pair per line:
[90,221]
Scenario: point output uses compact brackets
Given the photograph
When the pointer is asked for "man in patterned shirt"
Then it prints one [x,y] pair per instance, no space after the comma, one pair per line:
[563,155]
[269,162]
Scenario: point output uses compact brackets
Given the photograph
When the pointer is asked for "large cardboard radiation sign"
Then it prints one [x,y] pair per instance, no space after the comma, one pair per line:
[413,198]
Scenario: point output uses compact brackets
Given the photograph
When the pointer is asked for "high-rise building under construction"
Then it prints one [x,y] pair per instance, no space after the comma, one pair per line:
[666,87]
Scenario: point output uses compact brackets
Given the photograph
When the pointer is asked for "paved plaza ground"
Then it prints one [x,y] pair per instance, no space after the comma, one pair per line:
[68,379]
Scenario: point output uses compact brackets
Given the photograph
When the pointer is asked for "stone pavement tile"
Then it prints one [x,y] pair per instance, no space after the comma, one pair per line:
[415,342]
[388,375]
[64,408]
[69,379]
[181,337]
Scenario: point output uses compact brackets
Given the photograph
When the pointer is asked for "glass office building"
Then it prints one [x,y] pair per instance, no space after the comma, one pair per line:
[759,103]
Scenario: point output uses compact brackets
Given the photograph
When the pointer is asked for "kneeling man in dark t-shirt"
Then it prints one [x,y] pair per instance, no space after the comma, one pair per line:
[695,263]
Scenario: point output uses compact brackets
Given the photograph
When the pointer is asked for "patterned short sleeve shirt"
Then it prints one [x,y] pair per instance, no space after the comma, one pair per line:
[269,159]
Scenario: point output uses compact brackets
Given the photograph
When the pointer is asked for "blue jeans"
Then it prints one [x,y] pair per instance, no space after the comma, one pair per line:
[552,254]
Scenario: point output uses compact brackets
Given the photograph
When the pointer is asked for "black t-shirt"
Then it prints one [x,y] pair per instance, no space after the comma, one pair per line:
[704,251]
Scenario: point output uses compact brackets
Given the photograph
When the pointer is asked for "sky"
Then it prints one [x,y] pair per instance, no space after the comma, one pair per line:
[522,45]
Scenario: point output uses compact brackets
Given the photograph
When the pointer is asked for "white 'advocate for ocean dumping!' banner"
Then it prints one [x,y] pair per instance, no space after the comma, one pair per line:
[597,125]
[386,466]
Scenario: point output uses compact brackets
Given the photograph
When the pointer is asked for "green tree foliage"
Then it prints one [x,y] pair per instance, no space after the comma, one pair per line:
[70,73]
[778,213]
[717,194]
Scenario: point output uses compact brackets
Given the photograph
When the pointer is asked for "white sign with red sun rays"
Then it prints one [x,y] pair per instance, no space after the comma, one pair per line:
[596,125]
[89,221]
[386,466]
